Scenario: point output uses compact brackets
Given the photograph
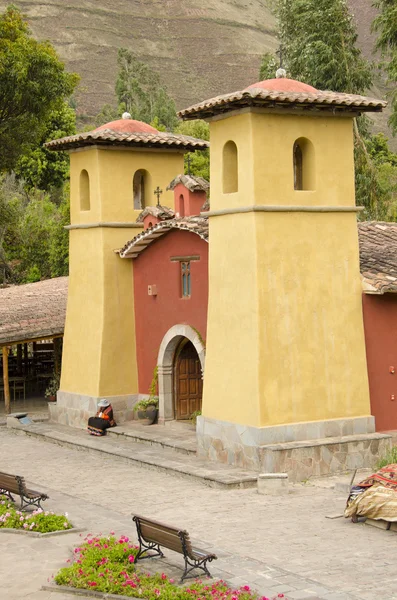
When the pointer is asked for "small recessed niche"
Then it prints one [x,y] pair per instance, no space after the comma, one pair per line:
[230,168]
[304,165]
[140,188]
[85,202]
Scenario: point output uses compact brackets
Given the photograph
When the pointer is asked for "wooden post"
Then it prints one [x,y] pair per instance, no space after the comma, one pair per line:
[6,382]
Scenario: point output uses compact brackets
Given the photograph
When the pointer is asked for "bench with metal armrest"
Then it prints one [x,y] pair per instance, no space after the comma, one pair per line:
[15,484]
[153,535]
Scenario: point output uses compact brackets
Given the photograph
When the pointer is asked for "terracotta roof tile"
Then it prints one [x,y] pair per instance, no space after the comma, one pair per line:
[378,256]
[33,311]
[197,225]
[256,96]
[193,184]
[161,212]
[117,138]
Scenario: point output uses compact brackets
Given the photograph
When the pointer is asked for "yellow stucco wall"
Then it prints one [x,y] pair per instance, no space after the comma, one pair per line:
[99,356]
[285,340]
[111,175]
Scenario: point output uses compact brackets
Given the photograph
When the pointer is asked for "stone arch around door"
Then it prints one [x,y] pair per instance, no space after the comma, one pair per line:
[165,363]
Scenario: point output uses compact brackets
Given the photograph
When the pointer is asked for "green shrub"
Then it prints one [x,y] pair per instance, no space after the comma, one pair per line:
[389,458]
[39,520]
[107,565]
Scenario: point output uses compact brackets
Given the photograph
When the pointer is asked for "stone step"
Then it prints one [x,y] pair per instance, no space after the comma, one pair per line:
[161,459]
[182,440]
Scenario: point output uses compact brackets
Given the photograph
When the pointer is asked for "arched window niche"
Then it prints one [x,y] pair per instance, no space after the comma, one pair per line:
[181,206]
[304,165]
[230,168]
[140,188]
[85,203]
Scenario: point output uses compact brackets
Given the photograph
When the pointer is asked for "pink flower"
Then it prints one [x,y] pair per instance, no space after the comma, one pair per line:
[131,559]
[92,583]
[172,580]
[163,576]
[112,533]
[246,588]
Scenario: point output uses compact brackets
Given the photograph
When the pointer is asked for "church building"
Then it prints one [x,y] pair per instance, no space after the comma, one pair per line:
[262,328]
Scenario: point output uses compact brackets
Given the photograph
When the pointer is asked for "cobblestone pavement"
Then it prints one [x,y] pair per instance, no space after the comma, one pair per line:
[274,544]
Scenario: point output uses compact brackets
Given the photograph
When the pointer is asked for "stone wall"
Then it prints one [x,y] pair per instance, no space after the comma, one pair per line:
[341,445]
[75,410]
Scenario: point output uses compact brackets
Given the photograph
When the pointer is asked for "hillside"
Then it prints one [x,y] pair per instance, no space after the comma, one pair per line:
[200,47]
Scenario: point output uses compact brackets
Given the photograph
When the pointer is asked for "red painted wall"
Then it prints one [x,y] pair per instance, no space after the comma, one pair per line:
[155,315]
[380,325]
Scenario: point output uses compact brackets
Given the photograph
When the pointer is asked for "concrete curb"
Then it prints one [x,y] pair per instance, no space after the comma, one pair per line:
[63,589]
[42,535]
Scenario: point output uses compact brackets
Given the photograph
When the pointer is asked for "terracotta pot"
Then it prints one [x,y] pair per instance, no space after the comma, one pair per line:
[51,398]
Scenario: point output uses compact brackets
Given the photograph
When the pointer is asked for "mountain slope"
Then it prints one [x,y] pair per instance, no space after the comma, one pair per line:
[201,48]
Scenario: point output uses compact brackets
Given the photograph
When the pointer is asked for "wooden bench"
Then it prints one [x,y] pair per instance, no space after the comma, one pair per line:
[15,484]
[152,535]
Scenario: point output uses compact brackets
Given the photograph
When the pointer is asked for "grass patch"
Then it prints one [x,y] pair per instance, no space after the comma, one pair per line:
[107,564]
[389,458]
[39,520]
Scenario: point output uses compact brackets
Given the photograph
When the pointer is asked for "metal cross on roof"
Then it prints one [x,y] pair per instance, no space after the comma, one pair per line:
[158,192]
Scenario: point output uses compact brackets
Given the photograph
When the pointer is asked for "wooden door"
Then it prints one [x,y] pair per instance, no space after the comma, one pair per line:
[189,385]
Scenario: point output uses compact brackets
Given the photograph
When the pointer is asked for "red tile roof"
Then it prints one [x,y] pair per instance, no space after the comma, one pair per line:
[197,225]
[378,256]
[192,183]
[108,137]
[283,84]
[270,98]
[128,126]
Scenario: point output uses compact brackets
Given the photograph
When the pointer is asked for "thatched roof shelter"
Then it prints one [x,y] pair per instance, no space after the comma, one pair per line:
[34,311]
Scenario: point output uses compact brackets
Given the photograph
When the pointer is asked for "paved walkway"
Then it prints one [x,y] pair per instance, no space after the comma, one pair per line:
[170,455]
[274,544]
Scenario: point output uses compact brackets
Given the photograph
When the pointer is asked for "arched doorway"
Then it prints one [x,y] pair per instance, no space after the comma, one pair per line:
[171,350]
[188,383]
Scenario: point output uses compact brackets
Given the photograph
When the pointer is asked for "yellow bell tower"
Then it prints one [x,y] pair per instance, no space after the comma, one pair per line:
[115,172]
[285,357]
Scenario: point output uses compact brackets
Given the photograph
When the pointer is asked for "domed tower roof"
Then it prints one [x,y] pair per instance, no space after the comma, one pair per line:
[127,125]
[282,93]
[283,84]
[127,132]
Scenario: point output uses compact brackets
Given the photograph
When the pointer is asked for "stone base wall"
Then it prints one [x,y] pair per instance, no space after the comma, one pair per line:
[75,409]
[302,460]
[302,449]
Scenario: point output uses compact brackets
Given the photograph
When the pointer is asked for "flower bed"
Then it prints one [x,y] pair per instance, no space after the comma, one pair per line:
[39,521]
[107,564]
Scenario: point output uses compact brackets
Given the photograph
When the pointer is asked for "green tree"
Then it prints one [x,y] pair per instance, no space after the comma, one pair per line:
[199,160]
[385,24]
[59,237]
[33,83]
[12,200]
[139,92]
[319,45]
[108,113]
[42,168]
[269,66]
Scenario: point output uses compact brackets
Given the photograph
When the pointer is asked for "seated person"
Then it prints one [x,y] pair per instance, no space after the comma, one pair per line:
[103,419]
